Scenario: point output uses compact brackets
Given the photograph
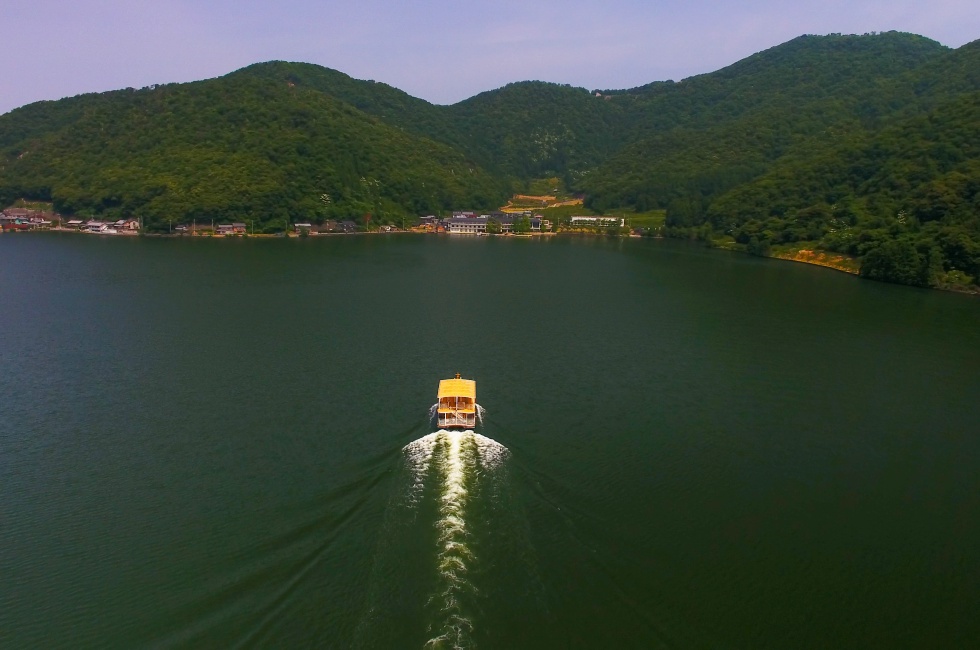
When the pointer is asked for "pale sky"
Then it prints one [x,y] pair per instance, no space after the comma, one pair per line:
[438,50]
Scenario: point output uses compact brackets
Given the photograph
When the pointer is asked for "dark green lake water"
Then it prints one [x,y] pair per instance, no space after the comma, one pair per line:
[201,445]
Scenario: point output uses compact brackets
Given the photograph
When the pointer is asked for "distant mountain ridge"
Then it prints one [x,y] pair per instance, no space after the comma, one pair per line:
[817,127]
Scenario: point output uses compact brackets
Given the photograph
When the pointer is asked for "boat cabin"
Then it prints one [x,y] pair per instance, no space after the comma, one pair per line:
[457,404]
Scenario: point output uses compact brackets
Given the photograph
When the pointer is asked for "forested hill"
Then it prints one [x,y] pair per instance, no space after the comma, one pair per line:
[710,132]
[244,146]
[897,186]
[391,105]
[854,144]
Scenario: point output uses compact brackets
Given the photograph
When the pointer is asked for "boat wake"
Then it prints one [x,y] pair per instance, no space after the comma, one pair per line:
[463,459]
[446,506]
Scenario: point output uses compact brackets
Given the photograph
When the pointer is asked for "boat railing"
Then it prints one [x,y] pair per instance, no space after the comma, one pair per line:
[450,419]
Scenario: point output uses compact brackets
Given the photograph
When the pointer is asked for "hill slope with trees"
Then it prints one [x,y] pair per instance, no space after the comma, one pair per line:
[242,147]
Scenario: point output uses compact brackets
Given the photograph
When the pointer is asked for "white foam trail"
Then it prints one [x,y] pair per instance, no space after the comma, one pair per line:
[492,453]
[418,455]
[459,467]
[480,412]
[453,555]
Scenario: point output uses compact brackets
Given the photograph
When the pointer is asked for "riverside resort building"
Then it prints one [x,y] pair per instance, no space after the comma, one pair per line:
[468,223]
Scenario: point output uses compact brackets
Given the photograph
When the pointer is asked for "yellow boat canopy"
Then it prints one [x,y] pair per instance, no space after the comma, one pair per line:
[457,388]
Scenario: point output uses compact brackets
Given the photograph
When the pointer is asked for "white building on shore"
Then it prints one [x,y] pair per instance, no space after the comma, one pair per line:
[597,221]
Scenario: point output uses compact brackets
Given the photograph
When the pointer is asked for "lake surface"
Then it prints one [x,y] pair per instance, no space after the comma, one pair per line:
[210,443]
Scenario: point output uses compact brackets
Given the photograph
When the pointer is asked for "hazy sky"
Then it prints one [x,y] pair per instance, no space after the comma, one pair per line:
[439,50]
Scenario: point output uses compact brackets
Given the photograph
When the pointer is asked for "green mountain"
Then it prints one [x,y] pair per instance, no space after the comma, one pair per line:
[715,131]
[903,193]
[390,105]
[912,187]
[533,129]
[864,145]
[245,146]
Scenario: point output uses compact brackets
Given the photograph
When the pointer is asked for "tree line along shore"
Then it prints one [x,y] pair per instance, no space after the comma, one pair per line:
[462,223]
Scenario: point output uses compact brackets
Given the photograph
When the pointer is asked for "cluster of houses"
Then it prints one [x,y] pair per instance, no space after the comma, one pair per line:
[23,219]
[327,227]
[120,227]
[14,219]
[461,222]
[239,228]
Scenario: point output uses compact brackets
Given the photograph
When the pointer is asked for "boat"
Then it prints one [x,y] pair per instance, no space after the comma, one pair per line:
[457,403]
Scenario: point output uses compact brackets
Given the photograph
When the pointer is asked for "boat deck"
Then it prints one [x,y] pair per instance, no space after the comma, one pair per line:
[457,404]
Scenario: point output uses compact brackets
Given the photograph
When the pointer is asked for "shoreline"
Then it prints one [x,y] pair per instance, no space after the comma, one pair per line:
[292,235]
[818,259]
[841,264]
[838,262]
[822,259]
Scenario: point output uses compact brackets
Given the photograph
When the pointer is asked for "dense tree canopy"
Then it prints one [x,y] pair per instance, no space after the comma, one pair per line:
[240,147]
